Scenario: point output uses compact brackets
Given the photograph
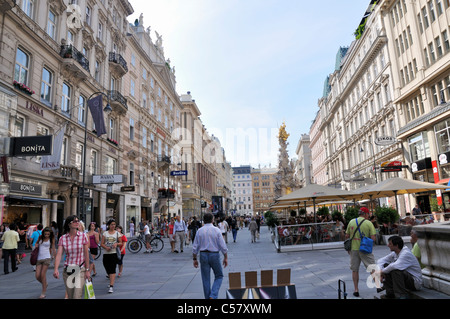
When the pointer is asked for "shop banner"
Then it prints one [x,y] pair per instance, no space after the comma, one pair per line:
[436,180]
[52,162]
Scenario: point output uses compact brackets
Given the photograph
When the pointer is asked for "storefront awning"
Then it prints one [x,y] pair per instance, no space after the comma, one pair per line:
[34,199]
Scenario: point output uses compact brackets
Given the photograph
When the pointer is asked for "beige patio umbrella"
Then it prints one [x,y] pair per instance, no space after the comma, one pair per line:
[317,194]
[398,186]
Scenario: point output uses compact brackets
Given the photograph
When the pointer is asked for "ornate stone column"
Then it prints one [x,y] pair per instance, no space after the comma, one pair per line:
[434,243]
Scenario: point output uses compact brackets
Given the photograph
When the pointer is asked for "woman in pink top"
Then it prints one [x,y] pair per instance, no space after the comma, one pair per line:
[171,238]
[94,240]
[76,266]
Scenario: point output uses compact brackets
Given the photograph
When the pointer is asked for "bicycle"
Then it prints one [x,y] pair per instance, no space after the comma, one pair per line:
[135,245]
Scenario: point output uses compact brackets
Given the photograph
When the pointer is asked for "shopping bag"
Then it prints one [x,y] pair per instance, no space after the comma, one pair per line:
[89,290]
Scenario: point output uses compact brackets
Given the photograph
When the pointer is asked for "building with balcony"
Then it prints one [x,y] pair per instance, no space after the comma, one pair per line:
[419,45]
[55,59]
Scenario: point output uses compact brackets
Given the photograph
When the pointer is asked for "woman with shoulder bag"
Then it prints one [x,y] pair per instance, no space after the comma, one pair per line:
[111,240]
[47,251]
[76,265]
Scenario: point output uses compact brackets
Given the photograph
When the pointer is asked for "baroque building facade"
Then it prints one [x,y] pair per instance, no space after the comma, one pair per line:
[391,83]
[69,52]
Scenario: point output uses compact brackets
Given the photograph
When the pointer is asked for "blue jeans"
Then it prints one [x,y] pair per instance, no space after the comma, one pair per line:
[210,261]
[234,231]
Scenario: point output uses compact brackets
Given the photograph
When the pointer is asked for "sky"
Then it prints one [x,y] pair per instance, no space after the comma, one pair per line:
[252,65]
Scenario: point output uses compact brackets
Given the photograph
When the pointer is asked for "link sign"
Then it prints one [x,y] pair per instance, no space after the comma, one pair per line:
[385,140]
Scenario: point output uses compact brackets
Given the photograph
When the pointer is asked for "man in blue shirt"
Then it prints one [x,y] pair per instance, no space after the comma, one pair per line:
[209,243]
[34,237]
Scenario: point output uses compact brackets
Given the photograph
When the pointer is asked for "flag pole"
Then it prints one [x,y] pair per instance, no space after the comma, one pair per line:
[82,212]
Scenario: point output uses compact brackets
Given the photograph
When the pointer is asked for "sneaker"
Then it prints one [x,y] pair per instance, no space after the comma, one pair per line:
[111,290]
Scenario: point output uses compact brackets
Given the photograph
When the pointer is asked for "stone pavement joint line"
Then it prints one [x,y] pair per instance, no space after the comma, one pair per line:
[167,275]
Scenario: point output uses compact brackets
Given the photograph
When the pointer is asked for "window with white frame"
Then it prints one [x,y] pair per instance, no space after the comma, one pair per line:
[132,86]
[79,157]
[112,128]
[110,165]
[46,86]
[131,174]
[65,99]
[51,24]
[63,160]
[22,66]
[94,160]
[28,7]
[419,147]
[100,31]
[81,110]
[144,137]
[131,129]
[88,15]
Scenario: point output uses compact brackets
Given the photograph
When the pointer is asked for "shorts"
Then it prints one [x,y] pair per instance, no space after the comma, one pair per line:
[45,262]
[147,238]
[110,263]
[171,237]
[356,257]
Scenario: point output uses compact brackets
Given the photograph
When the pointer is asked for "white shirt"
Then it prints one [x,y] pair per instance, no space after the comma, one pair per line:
[44,250]
[223,226]
[405,260]
[146,230]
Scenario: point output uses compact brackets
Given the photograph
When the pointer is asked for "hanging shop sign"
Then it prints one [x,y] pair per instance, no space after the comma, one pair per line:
[31,145]
[107,179]
[385,140]
[26,188]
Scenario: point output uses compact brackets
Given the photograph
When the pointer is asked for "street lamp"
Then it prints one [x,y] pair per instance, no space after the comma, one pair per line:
[97,114]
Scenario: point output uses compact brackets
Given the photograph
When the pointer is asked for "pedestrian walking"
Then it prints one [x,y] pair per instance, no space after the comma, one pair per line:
[122,250]
[76,264]
[171,234]
[111,239]
[253,228]
[2,231]
[10,243]
[356,256]
[234,228]
[47,251]
[223,226]
[180,231]
[131,228]
[55,231]
[209,243]
[147,236]
[34,238]
[94,241]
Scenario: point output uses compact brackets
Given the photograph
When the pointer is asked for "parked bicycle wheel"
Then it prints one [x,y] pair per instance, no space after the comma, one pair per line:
[157,244]
[134,245]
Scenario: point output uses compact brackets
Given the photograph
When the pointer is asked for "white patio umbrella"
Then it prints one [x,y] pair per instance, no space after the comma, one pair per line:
[317,193]
[398,186]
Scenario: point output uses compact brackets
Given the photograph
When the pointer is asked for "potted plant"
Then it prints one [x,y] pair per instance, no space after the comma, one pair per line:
[68,52]
[23,88]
